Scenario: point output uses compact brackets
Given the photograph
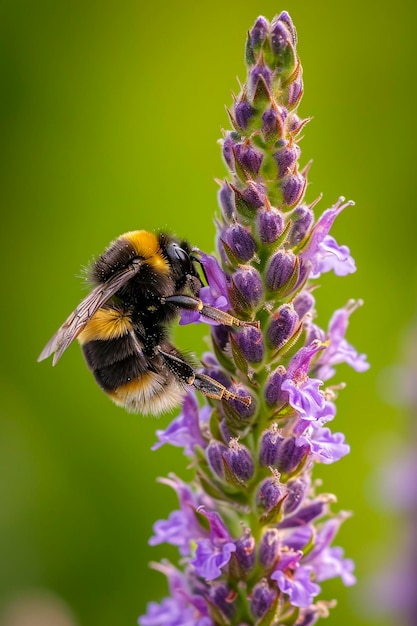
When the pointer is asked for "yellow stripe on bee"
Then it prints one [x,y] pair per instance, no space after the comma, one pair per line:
[106,324]
[146,245]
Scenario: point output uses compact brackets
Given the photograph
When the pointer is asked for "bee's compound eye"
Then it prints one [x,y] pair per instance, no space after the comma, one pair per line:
[178,255]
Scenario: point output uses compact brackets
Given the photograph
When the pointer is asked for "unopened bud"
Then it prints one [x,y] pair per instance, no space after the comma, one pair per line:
[273,123]
[273,392]
[291,456]
[240,242]
[286,158]
[280,270]
[239,461]
[269,450]
[296,491]
[214,456]
[243,113]
[262,598]
[270,224]
[302,218]
[305,515]
[303,303]
[248,158]
[269,548]
[250,342]
[226,198]
[223,599]
[269,494]
[246,290]
[245,552]
[282,326]
[292,188]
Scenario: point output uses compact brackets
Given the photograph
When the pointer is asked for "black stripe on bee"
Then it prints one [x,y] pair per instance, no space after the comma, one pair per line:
[101,353]
[110,378]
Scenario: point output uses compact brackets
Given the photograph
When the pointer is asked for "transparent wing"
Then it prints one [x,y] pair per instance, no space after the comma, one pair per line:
[75,323]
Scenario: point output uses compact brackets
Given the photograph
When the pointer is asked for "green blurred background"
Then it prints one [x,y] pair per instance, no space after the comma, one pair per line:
[110,114]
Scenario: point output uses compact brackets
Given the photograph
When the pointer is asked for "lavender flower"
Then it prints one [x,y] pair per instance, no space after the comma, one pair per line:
[254,537]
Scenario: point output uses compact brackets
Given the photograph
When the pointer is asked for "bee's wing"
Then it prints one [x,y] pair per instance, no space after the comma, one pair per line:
[75,323]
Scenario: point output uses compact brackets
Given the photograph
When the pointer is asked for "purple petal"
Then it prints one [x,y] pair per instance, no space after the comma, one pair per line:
[176,530]
[331,564]
[326,447]
[299,587]
[331,256]
[306,397]
[321,229]
[184,431]
[210,560]
[339,350]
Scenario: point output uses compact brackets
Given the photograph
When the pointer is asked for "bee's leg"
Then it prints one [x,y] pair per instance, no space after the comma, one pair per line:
[195,304]
[205,384]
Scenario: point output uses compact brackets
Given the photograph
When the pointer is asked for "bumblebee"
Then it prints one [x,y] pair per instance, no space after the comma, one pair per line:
[140,283]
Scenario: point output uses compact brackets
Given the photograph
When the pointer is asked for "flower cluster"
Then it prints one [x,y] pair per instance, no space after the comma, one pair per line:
[254,535]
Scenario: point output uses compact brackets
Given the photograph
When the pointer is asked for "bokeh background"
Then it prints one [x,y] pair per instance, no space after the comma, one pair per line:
[110,114]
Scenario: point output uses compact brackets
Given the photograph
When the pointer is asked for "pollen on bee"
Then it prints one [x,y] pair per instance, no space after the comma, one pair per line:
[107,323]
[146,245]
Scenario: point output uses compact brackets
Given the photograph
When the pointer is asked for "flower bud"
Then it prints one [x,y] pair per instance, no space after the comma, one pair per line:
[269,548]
[220,335]
[292,188]
[245,552]
[244,412]
[280,270]
[282,326]
[260,69]
[269,450]
[262,598]
[259,83]
[305,515]
[214,456]
[257,36]
[296,491]
[269,494]
[240,242]
[295,92]
[226,199]
[273,392]
[291,456]
[243,113]
[303,218]
[286,158]
[273,123]
[249,199]
[227,149]
[303,303]
[246,289]
[239,461]
[279,37]
[285,18]
[248,158]
[270,224]
[250,342]
[223,599]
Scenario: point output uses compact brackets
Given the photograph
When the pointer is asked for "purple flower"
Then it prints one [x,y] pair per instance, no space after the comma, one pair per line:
[185,430]
[183,608]
[254,531]
[215,294]
[325,447]
[214,553]
[321,230]
[338,349]
[294,579]
[330,256]
[181,528]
